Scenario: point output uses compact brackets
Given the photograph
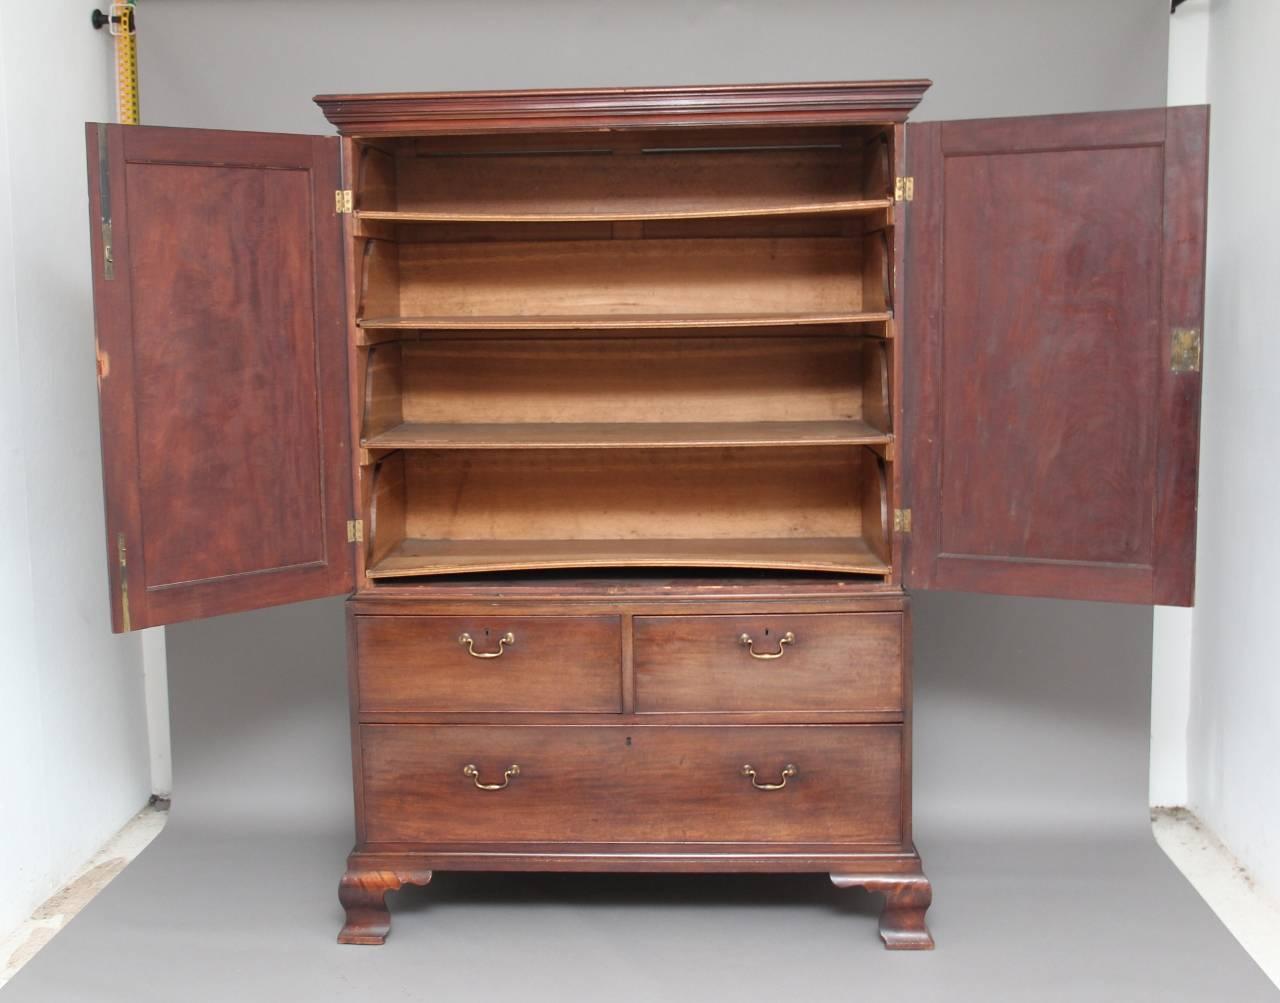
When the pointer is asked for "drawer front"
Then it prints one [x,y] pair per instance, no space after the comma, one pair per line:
[801,662]
[438,663]
[615,783]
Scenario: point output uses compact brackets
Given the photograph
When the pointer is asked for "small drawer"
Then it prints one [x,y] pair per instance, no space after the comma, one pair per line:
[620,783]
[489,663]
[776,662]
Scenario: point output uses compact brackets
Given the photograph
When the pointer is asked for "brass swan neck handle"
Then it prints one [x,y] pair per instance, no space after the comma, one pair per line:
[787,638]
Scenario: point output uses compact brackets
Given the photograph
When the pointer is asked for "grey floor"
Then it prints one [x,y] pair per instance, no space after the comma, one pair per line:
[1031,773]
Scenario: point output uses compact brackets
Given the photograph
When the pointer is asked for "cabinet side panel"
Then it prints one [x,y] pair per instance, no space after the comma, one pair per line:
[920,344]
[897,477]
[1186,182]
[361,475]
[112,310]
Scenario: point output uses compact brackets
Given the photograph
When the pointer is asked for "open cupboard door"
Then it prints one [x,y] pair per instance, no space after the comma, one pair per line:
[1055,303]
[217,281]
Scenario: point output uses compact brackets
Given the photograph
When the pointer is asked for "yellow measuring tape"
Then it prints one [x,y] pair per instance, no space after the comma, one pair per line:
[124,29]
[126,67]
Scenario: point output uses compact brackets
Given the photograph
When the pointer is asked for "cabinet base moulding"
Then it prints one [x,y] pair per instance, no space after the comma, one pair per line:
[898,876]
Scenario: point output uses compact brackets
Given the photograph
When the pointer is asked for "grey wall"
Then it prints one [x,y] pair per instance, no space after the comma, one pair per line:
[1032,712]
[254,64]
[1234,743]
[73,727]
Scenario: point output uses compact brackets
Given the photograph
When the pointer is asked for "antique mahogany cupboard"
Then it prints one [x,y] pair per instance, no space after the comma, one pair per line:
[627,415]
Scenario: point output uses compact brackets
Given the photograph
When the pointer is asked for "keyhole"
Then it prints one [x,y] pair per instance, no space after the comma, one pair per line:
[628,740]
[766,632]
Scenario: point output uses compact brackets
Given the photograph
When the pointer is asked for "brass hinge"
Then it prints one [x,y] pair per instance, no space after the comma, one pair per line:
[342,200]
[355,530]
[904,189]
[1184,354]
[124,584]
[104,365]
[902,520]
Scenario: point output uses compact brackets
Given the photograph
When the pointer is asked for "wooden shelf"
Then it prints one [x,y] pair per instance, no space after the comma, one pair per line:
[626,283]
[622,435]
[604,322]
[412,557]
[625,175]
[849,207]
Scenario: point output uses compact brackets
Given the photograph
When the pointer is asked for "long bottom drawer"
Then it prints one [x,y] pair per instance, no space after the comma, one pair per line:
[623,783]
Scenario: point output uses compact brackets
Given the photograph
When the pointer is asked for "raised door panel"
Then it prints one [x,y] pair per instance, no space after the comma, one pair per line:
[1055,274]
[222,370]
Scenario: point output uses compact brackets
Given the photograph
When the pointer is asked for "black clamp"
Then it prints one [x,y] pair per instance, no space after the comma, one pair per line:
[100,20]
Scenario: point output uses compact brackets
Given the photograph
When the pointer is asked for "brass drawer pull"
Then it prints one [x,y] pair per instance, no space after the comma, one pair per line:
[788,772]
[785,639]
[471,771]
[466,641]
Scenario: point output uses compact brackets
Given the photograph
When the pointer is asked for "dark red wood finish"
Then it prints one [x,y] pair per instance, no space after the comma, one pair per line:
[569,109]
[907,898]
[222,361]
[363,895]
[1052,450]
[1186,171]
[830,663]
[585,797]
[632,783]
[554,664]
[371,874]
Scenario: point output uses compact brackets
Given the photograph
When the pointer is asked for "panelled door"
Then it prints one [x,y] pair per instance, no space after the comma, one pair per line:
[217,264]
[1055,300]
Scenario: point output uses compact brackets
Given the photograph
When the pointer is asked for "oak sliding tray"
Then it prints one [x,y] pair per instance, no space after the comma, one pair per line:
[693,391]
[812,507]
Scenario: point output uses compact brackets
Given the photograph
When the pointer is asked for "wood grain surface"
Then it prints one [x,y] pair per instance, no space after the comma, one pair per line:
[628,783]
[1053,447]
[223,381]
[555,664]
[841,661]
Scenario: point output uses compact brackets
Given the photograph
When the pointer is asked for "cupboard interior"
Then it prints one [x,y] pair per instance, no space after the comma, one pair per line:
[813,508]
[590,392]
[637,349]
[625,282]
[631,175]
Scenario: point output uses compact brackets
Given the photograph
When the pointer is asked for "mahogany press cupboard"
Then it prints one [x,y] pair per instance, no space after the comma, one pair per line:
[627,415]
